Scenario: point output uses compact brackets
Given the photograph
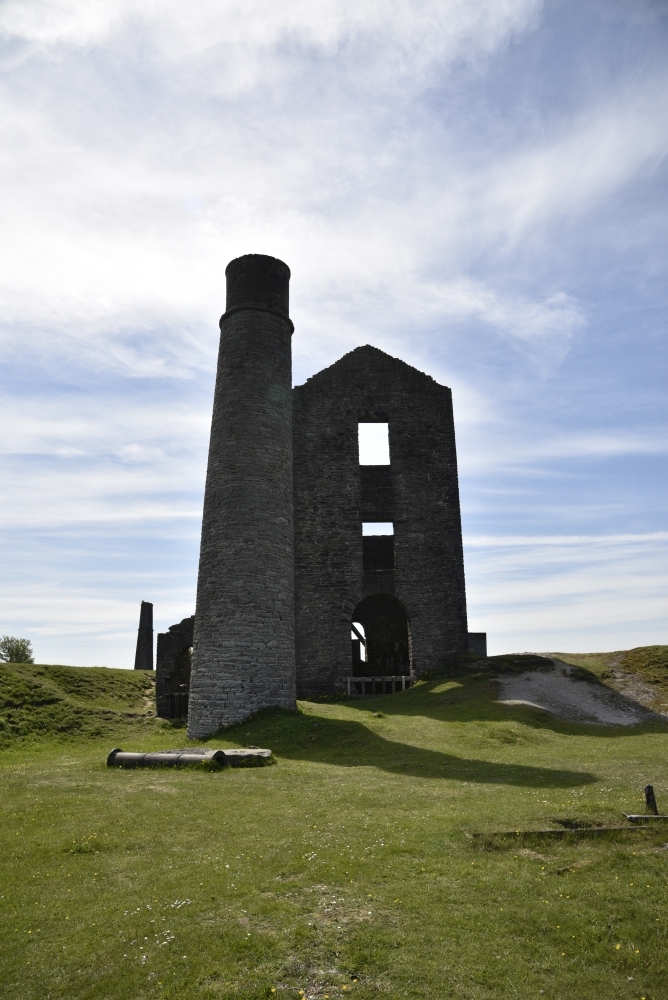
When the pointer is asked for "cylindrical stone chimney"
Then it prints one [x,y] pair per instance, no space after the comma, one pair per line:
[244,645]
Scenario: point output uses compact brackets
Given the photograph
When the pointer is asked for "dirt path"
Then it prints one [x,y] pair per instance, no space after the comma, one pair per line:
[558,690]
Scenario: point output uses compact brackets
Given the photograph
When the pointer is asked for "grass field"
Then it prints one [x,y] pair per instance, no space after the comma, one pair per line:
[377,856]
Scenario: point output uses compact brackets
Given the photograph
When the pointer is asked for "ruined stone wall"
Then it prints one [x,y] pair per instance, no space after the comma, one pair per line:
[243,655]
[333,494]
[172,666]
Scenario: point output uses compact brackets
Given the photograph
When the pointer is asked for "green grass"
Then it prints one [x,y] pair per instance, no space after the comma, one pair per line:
[378,856]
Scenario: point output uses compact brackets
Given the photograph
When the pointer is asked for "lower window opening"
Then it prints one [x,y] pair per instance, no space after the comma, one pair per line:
[377,546]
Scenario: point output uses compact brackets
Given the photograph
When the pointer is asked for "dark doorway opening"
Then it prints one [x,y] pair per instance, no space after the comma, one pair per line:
[179,684]
[387,635]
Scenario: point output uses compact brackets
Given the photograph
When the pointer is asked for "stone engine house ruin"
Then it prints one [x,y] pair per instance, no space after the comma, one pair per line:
[318,564]
[405,586]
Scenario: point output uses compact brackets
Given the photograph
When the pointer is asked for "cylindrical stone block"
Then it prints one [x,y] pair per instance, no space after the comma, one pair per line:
[244,646]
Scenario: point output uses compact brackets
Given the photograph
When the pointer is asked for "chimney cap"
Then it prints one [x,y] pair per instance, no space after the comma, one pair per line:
[258,280]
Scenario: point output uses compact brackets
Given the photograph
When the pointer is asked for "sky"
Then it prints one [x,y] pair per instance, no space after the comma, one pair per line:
[477,187]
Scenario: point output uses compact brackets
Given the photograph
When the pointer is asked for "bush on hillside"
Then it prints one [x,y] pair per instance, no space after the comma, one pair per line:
[14,650]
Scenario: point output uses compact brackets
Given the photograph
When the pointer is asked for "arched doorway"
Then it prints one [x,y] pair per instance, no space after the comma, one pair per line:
[386,635]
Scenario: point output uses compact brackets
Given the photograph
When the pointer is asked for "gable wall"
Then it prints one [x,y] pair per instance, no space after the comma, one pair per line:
[333,494]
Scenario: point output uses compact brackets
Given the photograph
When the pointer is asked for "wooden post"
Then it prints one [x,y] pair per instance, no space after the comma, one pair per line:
[650,800]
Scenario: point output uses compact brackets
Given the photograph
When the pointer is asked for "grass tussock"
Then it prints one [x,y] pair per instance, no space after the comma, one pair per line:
[428,844]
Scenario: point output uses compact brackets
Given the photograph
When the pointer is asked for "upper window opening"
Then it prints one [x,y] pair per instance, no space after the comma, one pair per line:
[377,528]
[374,444]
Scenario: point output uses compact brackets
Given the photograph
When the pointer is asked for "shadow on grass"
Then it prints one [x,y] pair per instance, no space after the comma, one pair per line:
[473,699]
[347,743]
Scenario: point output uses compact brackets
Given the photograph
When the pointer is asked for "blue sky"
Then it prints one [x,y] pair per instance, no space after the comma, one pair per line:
[475,186]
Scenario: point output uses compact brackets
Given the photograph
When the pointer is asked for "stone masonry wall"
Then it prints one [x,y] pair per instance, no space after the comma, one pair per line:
[333,494]
[243,654]
[169,663]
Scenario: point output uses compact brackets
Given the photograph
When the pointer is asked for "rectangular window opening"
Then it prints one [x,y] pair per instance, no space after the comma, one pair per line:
[377,528]
[377,548]
[374,444]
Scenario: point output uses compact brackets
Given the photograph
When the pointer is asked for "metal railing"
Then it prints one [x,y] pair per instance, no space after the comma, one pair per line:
[367,687]
[178,705]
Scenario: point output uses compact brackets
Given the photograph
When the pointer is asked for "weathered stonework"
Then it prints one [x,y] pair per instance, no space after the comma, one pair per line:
[172,669]
[284,567]
[334,494]
[243,653]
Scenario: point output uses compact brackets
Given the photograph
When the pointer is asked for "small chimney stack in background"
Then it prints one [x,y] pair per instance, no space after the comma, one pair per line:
[144,654]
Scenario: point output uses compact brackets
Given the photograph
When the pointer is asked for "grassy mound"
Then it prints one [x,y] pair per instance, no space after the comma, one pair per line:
[37,700]
[641,672]
[650,662]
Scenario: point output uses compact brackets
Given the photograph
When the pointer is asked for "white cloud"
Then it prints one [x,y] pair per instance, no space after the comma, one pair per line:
[561,541]
[569,592]
[542,330]
[101,426]
[593,155]
[123,215]
[530,451]
[115,227]
[94,461]
[91,625]
[416,33]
